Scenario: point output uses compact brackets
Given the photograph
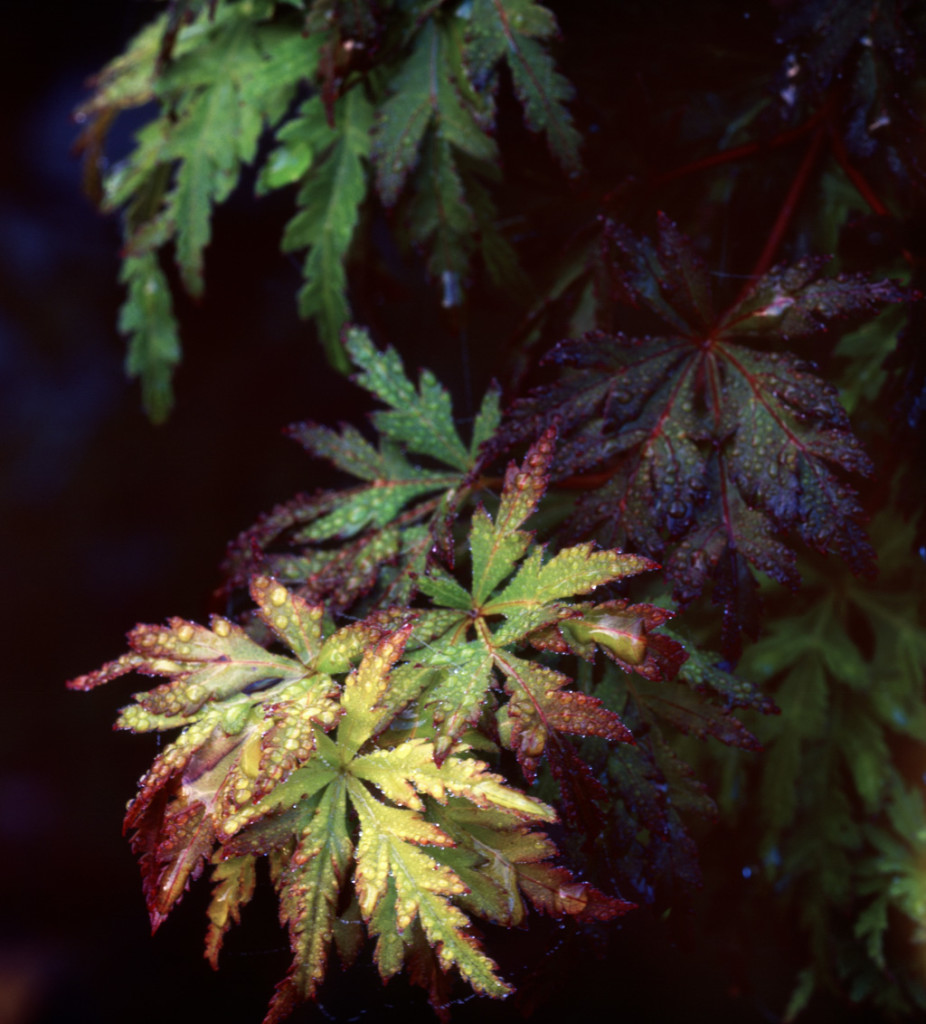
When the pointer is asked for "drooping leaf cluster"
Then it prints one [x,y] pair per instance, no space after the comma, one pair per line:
[843,825]
[387,99]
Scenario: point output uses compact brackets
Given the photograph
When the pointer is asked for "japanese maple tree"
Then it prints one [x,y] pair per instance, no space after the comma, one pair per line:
[429,672]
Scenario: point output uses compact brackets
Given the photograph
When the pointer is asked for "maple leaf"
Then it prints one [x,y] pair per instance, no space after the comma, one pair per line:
[651,792]
[433,144]
[216,94]
[423,832]
[651,846]
[395,103]
[512,30]
[147,319]
[430,92]
[247,717]
[387,529]
[327,157]
[516,595]
[706,454]
[846,662]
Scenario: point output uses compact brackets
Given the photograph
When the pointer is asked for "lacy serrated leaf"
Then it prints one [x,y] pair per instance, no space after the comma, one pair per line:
[708,453]
[647,831]
[400,881]
[388,851]
[334,186]
[450,687]
[379,537]
[515,30]
[575,570]
[223,92]
[429,92]
[419,419]
[846,660]
[471,652]
[540,709]
[487,420]
[231,74]
[147,320]
[704,674]
[363,714]
[501,860]
[233,880]
[310,887]
[674,703]
[403,772]
[496,547]
[248,719]
[440,216]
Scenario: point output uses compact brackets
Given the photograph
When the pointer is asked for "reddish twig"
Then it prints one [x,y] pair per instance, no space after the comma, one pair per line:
[860,182]
[739,152]
[786,212]
[854,175]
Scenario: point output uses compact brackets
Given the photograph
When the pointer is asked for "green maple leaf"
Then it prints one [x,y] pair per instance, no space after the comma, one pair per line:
[220,75]
[387,528]
[434,148]
[845,825]
[513,31]
[328,159]
[219,91]
[430,93]
[147,320]
[516,594]
[708,453]
[395,103]
[423,831]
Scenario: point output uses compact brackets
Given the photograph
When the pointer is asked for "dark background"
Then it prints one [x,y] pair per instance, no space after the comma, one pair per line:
[107,521]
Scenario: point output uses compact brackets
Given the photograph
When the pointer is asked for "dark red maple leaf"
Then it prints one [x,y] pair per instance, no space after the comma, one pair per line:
[704,453]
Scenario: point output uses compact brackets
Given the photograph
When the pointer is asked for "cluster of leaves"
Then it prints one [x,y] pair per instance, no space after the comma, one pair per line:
[275,747]
[843,825]
[402,95]
[409,619]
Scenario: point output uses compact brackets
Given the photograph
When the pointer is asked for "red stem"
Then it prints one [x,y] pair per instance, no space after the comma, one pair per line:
[738,152]
[855,176]
[786,212]
[860,182]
